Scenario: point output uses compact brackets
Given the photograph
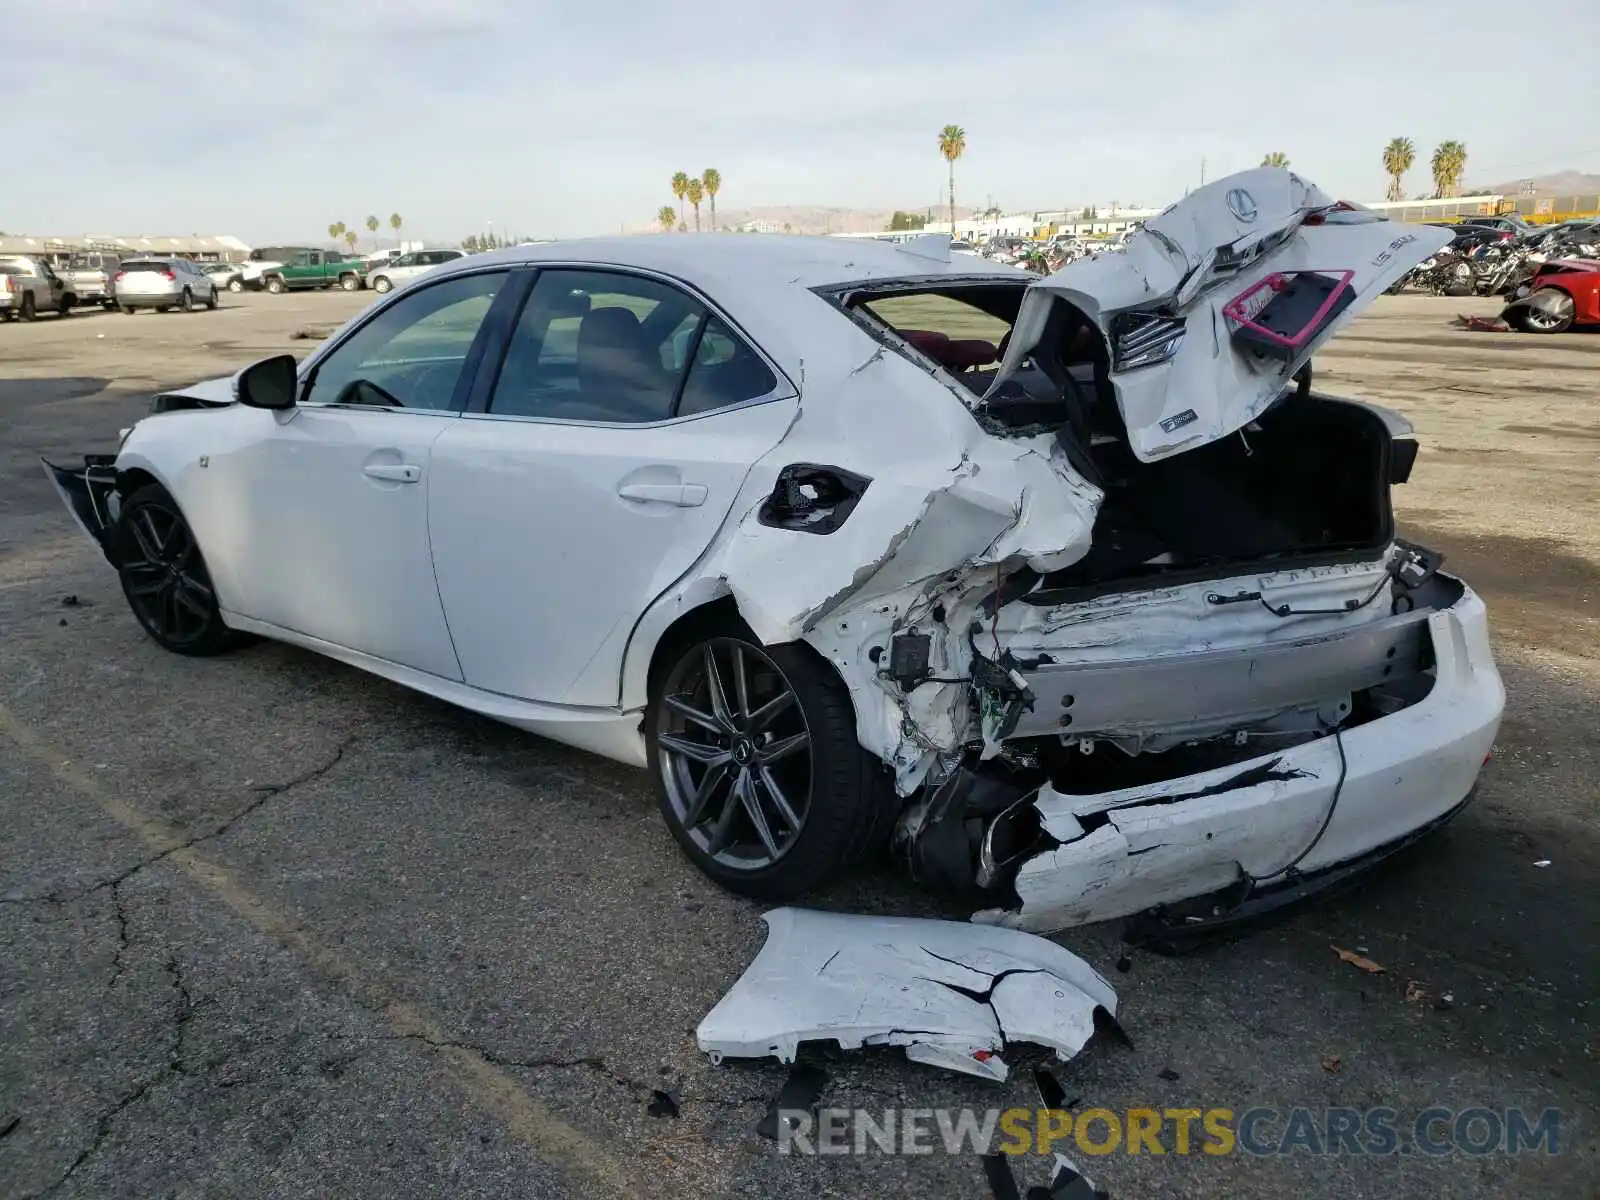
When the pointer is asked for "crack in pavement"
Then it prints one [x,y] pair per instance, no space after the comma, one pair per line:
[183,1010]
[265,792]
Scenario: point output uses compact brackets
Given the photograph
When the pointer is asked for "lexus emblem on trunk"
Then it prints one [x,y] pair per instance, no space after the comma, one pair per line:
[1242,204]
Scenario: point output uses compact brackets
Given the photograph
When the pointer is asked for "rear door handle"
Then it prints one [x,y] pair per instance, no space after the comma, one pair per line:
[684,495]
[397,472]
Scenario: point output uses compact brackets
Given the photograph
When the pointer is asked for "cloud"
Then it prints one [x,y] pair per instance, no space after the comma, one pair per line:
[269,119]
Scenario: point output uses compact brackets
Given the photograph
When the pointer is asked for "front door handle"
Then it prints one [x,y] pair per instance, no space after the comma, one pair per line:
[395,472]
[684,495]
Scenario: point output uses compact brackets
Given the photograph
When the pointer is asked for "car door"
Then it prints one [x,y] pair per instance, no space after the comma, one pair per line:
[334,503]
[621,424]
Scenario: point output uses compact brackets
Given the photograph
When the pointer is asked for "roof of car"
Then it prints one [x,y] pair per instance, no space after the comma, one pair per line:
[763,282]
[773,260]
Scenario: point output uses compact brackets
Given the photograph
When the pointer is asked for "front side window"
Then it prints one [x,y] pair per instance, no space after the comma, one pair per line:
[412,354]
[624,349]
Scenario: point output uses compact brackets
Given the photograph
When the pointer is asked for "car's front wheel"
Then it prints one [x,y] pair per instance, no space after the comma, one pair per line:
[756,765]
[1549,310]
[275,285]
[381,284]
[236,284]
[164,576]
[349,282]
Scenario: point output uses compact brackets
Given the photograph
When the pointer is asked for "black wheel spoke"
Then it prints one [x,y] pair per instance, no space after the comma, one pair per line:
[784,747]
[700,752]
[745,786]
[722,832]
[719,695]
[186,599]
[690,713]
[779,800]
[741,687]
[709,783]
[771,710]
[149,584]
[149,546]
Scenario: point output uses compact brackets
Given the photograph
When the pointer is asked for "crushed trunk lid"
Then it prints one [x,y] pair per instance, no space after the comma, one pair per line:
[1212,308]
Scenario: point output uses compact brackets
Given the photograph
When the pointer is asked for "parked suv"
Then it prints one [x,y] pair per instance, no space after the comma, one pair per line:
[90,275]
[163,284]
[28,287]
[408,266]
[300,269]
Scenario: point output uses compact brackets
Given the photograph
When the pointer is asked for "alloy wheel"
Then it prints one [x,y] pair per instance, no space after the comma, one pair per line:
[1551,317]
[164,575]
[735,754]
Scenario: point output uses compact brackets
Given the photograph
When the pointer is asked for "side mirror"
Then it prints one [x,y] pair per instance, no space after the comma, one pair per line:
[270,383]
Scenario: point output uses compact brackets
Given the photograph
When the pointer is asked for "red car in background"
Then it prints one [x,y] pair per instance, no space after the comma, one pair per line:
[1561,294]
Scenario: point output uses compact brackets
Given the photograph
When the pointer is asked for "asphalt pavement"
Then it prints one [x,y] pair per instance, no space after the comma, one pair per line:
[272,927]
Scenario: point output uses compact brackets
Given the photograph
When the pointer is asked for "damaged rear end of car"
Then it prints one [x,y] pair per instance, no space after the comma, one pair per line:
[1149,640]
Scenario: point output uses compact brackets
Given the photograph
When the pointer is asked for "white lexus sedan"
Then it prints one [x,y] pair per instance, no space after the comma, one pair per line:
[1070,588]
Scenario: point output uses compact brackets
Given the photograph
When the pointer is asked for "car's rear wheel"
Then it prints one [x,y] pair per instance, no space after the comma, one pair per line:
[381,284]
[186,301]
[164,576]
[28,312]
[275,284]
[211,300]
[127,309]
[756,765]
[1549,310]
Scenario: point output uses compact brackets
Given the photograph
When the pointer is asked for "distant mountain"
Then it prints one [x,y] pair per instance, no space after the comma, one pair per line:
[1560,183]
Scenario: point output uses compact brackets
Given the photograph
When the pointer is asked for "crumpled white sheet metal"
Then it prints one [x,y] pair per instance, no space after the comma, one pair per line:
[953,995]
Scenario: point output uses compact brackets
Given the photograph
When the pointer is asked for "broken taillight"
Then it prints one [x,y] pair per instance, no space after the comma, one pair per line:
[117,278]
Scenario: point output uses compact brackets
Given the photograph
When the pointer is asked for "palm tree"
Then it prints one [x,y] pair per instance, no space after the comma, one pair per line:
[680,189]
[394,224]
[952,144]
[372,228]
[1276,158]
[668,216]
[697,193]
[1398,156]
[336,230]
[350,237]
[711,180]
[1449,161]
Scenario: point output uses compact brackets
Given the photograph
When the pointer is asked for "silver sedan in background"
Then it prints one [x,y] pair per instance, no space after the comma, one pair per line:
[408,266]
[162,284]
[225,275]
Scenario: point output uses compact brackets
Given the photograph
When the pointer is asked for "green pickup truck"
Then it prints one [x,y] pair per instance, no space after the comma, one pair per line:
[294,268]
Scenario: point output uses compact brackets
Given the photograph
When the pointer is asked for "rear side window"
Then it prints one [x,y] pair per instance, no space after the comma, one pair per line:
[611,347]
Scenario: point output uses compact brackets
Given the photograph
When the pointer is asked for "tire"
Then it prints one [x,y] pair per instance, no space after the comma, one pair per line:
[1554,316]
[211,301]
[164,576]
[381,284]
[161,308]
[65,307]
[847,808]
[28,312]
[236,284]
[186,301]
[350,283]
[127,309]
[275,285]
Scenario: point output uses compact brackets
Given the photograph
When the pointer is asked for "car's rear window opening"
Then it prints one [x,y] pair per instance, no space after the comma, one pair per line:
[146,266]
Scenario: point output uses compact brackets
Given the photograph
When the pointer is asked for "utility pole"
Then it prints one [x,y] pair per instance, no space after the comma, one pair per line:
[1202,170]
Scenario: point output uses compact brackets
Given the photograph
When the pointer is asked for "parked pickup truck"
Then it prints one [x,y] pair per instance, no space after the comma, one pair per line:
[296,268]
[89,276]
[29,287]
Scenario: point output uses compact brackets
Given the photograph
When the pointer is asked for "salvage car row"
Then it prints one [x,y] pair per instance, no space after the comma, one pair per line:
[31,286]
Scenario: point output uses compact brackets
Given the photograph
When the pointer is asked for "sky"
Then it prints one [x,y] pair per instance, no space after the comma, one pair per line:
[271,119]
